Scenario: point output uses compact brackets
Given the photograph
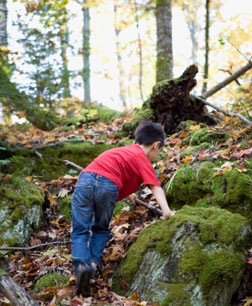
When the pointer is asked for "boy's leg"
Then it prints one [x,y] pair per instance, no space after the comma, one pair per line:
[105,197]
[82,215]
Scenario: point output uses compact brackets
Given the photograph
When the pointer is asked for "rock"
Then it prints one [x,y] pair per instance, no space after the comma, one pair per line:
[20,210]
[195,258]
[195,184]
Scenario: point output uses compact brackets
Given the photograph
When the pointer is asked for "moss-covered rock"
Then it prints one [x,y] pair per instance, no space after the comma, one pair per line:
[195,258]
[196,184]
[20,209]
[50,280]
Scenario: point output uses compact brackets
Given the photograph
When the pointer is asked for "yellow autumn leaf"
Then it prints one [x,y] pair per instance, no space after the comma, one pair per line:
[41,99]
[194,127]
[188,159]
[219,172]
[226,169]
[21,114]
[54,222]
[183,134]
[227,119]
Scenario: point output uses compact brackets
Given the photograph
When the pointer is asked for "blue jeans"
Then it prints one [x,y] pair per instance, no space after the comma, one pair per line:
[93,203]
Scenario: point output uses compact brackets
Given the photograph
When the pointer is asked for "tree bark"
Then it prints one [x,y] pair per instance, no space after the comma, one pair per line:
[86,54]
[16,294]
[206,65]
[140,52]
[164,64]
[122,89]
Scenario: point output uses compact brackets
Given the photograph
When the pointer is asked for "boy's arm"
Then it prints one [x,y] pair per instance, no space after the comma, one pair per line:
[161,199]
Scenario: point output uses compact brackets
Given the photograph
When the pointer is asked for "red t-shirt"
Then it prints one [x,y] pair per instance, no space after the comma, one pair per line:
[128,167]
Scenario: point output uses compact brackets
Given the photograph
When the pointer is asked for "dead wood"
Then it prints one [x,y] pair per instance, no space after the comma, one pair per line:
[172,103]
[228,80]
[16,294]
[152,208]
[43,245]
[230,114]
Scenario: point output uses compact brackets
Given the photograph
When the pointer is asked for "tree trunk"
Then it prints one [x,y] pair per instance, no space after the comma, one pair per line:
[164,64]
[206,65]
[3,37]
[122,89]
[66,75]
[14,100]
[86,55]
[3,22]
[16,294]
[193,31]
[140,53]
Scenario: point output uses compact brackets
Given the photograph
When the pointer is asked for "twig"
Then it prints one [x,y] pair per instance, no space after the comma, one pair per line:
[230,114]
[154,209]
[73,164]
[33,247]
[38,154]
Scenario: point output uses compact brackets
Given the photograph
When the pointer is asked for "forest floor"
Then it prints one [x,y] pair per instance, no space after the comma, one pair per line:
[26,266]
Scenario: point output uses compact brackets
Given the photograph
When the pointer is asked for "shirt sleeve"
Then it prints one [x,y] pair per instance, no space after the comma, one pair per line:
[148,175]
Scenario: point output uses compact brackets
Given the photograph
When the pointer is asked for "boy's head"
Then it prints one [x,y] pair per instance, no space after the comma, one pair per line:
[148,133]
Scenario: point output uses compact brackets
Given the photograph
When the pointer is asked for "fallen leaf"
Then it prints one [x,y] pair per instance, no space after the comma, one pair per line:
[187,159]
[194,127]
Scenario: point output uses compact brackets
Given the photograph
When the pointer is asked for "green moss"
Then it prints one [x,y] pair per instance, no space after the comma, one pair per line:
[212,225]
[196,185]
[18,199]
[210,269]
[220,267]
[50,280]
[65,207]
[195,149]
[144,113]
[205,135]
[177,296]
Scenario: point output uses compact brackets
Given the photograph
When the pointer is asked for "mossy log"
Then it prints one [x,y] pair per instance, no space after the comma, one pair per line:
[172,103]
[16,294]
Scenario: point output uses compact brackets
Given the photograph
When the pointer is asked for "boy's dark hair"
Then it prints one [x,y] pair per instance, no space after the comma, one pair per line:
[149,132]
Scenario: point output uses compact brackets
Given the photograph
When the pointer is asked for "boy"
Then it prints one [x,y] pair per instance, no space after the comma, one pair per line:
[112,176]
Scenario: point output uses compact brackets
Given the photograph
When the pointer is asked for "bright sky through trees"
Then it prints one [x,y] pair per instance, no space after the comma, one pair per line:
[104,72]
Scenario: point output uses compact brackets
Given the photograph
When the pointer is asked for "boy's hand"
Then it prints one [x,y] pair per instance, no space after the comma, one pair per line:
[168,214]
[132,198]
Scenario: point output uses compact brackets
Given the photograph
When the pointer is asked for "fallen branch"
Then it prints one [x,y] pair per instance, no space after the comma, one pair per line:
[73,164]
[228,80]
[152,208]
[34,246]
[16,294]
[230,114]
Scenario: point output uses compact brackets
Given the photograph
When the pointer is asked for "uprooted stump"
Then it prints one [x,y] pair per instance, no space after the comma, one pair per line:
[170,103]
